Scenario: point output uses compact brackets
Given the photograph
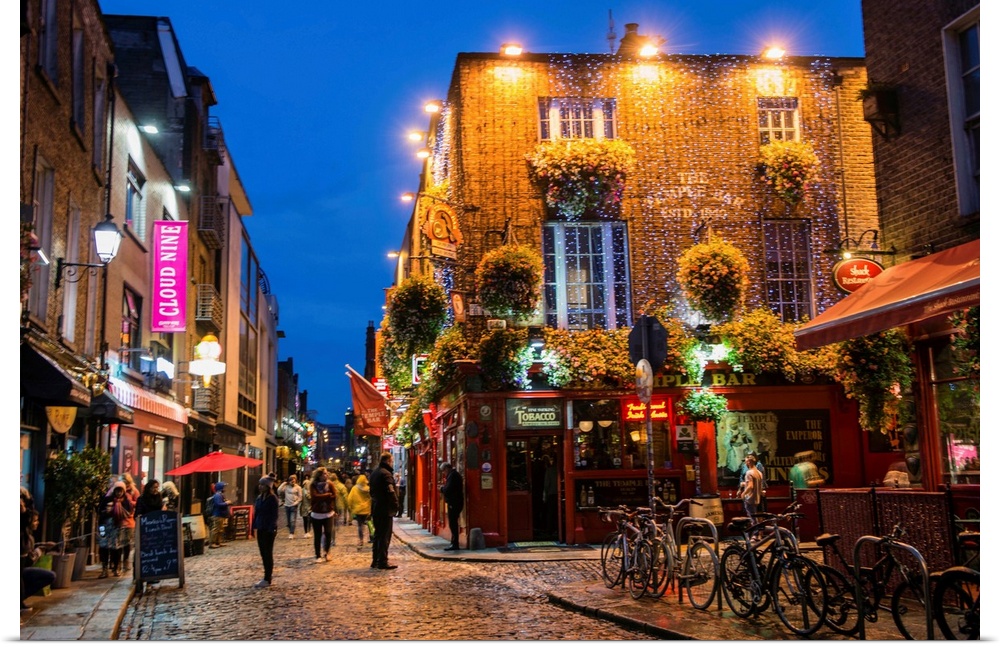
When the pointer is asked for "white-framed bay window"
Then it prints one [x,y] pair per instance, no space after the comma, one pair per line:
[587,282]
[576,118]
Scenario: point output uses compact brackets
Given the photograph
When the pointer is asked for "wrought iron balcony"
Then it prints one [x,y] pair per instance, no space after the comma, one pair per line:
[206,399]
[209,308]
[214,143]
[212,221]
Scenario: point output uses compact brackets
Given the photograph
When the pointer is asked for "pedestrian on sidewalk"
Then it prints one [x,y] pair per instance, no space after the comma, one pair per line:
[265,527]
[455,500]
[128,524]
[341,503]
[359,501]
[33,578]
[752,487]
[220,515]
[323,514]
[290,495]
[385,504]
[151,499]
[305,508]
[171,496]
[114,508]
[400,477]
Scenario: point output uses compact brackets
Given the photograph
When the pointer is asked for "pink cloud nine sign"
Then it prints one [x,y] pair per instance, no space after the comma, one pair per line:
[170,272]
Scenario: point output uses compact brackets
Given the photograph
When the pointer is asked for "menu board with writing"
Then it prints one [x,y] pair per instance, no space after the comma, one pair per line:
[240,521]
[158,546]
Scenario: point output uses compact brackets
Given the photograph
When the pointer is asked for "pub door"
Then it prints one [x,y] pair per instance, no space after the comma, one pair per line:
[534,488]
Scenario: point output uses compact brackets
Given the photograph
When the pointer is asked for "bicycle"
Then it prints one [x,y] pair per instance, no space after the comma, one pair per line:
[907,603]
[699,574]
[956,594]
[619,552]
[763,569]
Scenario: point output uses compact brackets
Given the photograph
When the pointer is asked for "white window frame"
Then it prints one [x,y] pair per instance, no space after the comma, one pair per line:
[70,290]
[43,207]
[962,122]
[135,201]
[600,115]
[772,120]
[560,267]
[800,282]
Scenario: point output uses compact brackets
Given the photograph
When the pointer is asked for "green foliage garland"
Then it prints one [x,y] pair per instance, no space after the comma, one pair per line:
[965,341]
[504,359]
[714,277]
[875,370]
[509,281]
[394,361]
[581,175]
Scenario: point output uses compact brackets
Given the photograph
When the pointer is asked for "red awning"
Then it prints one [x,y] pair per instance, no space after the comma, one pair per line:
[903,294]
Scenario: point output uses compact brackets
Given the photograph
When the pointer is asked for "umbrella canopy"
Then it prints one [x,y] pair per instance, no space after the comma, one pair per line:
[215,462]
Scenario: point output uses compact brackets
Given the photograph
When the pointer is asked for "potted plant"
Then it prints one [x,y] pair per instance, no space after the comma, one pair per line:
[702,405]
[788,167]
[714,277]
[509,281]
[582,176]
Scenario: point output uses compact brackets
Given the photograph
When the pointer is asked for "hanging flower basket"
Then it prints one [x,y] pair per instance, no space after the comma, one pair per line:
[417,311]
[788,168]
[505,358]
[875,370]
[509,281]
[582,176]
[703,405]
[714,277]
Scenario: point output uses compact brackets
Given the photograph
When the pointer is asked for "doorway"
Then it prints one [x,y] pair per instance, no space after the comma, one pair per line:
[534,488]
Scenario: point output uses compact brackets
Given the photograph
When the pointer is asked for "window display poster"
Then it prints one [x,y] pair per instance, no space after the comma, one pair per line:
[775,437]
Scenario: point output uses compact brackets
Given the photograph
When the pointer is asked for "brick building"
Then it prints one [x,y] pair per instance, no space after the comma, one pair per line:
[696,125]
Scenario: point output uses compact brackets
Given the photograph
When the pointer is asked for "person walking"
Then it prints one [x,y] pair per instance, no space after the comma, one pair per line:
[220,515]
[401,490]
[359,502]
[323,514]
[112,512]
[341,502]
[454,499]
[128,524]
[290,495]
[385,503]
[265,527]
[171,496]
[151,499]
[762,502]
[305,508]
[752,487]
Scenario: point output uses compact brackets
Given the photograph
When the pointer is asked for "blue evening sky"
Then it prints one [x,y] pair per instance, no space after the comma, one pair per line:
[316,96]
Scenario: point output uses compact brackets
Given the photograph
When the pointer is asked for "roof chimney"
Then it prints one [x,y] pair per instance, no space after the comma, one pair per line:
[631,42]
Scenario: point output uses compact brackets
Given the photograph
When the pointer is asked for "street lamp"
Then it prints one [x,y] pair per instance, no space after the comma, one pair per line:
[206,359]
[107,239]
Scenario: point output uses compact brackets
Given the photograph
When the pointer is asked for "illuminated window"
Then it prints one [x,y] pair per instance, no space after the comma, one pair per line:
[135,204]
[786,251]
[48,43]
[778,118]
[586,275]
[576,118]
[131,333]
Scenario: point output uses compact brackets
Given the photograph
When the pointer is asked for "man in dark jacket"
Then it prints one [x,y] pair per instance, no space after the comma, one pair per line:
[452,491]
[265,525]
[382,486]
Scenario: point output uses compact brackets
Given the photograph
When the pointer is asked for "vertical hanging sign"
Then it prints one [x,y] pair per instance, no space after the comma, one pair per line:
[170,252]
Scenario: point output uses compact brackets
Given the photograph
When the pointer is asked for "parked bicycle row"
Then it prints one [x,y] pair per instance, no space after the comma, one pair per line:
[652,550]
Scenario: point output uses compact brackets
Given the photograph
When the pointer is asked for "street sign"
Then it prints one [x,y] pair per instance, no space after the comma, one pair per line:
[648,340]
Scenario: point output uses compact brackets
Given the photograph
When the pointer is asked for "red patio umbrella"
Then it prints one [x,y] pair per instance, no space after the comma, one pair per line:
[215,462]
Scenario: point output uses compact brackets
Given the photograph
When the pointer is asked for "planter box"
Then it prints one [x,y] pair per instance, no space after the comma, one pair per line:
[62,565]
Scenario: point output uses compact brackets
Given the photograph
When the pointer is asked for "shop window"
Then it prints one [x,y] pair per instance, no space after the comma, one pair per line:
[635,445]
[956,401]
[597,439]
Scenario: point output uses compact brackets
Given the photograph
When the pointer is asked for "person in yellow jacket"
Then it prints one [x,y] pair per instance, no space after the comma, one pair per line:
[359,502]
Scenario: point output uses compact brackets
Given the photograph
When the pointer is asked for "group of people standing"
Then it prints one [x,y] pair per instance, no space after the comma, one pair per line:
[121,504]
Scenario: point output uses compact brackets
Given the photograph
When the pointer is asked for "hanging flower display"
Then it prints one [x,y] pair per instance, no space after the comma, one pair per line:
[714,277]
[505,358]
[761,343]
[394,361]
[875,370]
[416,311]
[587,358]
[965,341]
[509,281]
[702,405]
[788,167]
[582,175]
[441,368]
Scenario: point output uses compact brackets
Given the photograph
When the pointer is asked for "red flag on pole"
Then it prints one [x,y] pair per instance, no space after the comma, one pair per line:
[371,415]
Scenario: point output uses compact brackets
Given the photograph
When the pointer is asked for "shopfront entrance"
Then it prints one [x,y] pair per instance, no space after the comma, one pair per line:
[534,488]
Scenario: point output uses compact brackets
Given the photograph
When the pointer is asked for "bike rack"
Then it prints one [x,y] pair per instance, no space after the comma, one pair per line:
[858,592]
[678,533]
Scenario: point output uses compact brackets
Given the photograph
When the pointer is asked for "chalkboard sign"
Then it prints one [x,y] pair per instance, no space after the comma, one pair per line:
[158,547]
[240,521]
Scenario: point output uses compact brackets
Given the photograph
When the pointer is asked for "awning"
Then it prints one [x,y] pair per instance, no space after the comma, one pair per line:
[108,408]
[903,294]
[44,379]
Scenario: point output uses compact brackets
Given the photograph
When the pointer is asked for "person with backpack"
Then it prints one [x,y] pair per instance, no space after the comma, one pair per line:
[220,515]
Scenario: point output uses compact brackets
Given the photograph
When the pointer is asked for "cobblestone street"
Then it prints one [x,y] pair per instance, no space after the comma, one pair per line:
[344,599]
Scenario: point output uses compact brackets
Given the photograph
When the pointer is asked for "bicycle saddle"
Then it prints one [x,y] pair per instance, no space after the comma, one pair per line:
[826,539]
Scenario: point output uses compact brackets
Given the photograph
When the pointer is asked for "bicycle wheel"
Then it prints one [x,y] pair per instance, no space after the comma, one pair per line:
[956,605]
[662,569]
[841,610]
[909,609]
[638,574]
[701,574]
[738,583]
[798,593]
[612,558]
